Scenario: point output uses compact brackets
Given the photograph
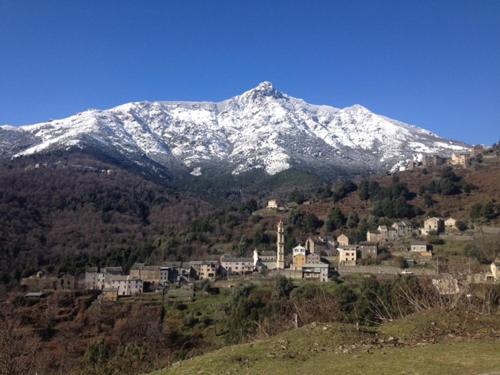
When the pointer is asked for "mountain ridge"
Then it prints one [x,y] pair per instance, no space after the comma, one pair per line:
[261,129]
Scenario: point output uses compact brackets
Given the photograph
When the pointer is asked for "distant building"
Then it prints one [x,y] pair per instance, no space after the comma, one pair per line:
[420,247]
[343,240]
[315,245]
[460,159]
[402,228]
[93,279]
[148,274]
[387,234]
[125,285]
[495,270]
[208,270]
[368,250]
[347,256]
[313,258]
[433,224]
[433,161]
[316,271]
[382,234]
[264,259]
[272,204]
[230,266]
[41,282]
[450,224]
[299,249]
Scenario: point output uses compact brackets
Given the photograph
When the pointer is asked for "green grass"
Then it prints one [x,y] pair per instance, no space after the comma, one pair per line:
[320,349]
[451,248]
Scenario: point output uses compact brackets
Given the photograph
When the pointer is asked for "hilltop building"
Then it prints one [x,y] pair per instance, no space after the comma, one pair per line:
[272,204]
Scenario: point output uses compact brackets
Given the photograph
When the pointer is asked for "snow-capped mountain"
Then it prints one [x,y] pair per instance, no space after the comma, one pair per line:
[261,129]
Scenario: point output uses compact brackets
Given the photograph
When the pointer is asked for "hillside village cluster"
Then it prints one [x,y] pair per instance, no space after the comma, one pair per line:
[457,159]
[318,259]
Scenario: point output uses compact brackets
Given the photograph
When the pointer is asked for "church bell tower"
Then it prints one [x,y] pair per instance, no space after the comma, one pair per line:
[280,247]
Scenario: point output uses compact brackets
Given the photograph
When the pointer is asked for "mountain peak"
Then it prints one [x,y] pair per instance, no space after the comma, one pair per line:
[265,88]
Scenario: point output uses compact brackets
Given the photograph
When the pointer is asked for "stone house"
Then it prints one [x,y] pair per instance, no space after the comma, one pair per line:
[316,271]
[208,270]
[315,245]
[388,234]
[460,159]
[240,266]
[265,259]
[382,234]
[433,161]
[348,256]
[148,274]
[125,285]
[373,237]
[420,247]
[93,279]
[402,228]
[313,258]
[343,240]
[432,224]
[41,282]
[368,250]
[450,224]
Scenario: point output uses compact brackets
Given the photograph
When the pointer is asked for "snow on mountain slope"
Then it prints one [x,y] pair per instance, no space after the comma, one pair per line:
[260,129]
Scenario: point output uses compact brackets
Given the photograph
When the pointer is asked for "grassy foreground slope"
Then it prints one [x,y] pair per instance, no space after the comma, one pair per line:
[337,348]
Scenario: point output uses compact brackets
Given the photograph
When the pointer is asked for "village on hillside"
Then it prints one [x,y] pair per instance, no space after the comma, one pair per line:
[318,259]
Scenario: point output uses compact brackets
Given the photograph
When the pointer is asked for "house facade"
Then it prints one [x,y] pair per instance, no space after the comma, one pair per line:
[460,159]
[402,228]
[316,271]
[347,256]
[148,274]
[368,251]
[236,265]
[208,270]
[420,247]
[125,285]
[433,224]
[450,224]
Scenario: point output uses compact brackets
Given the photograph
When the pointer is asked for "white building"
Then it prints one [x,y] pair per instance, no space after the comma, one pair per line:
[272,204]
[299,249]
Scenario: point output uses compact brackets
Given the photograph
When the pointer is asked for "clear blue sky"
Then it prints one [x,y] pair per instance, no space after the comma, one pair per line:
[435,64]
